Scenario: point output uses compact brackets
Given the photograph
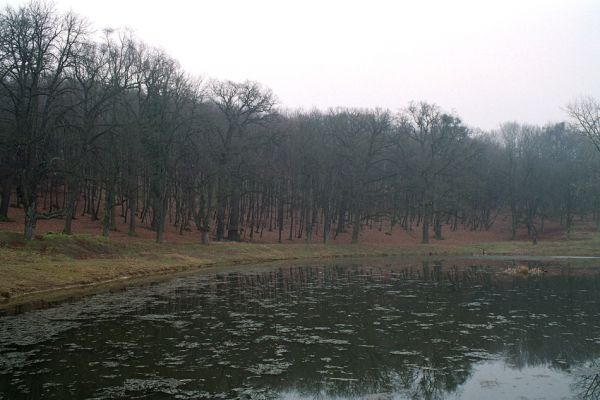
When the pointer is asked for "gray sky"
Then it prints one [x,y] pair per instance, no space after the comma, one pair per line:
[490,61]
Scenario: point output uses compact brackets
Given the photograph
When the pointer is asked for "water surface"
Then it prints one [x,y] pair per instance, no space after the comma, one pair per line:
[376,330]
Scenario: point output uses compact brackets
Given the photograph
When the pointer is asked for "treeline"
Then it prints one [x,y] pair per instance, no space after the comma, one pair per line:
[115,129]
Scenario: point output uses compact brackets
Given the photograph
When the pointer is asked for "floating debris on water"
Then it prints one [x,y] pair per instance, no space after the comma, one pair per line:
[293,333]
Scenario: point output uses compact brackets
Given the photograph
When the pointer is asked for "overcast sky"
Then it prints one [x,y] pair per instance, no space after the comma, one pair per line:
[489,61]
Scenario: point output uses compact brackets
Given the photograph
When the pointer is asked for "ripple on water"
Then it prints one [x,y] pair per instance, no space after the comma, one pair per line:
[344,332]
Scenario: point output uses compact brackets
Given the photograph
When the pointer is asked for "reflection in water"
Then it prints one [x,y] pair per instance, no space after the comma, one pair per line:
[587,381]
[394,331]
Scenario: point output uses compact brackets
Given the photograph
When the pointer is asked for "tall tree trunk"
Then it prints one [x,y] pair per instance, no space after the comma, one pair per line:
[513,223]
[253,214]
[534,232]
[291,235]
[205,237]
[221,200]
[160,212]
[220,221]
[29,199]
[96,210]
[30,220]
[356,227]
[109,201]
[233,233]
[437,226]
[341,225]
[280,215]
[113,218]
[132,212]
[425,227]
[206,213]
[326,222]
[309,216]
[72,194]
[160,222]
[7,184]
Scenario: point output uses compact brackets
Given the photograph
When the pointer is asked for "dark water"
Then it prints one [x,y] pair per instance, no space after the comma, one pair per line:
[404,330]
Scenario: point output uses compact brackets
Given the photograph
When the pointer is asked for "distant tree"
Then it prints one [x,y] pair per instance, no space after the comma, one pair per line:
[545,175]
[167,107]
[359,139]
[585,113]
[37,47]
[240,106]
[117,125]
[100,74]
[432,148]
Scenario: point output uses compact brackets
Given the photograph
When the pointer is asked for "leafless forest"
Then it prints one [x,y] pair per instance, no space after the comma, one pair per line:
[102,125]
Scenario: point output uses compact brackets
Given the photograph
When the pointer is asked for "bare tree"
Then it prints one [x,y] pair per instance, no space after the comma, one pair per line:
[433,153]
[241,105]
[101,72]
[37,46]
[585,113]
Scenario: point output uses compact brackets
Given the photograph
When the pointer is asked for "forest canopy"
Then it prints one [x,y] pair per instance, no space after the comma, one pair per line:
[115,128]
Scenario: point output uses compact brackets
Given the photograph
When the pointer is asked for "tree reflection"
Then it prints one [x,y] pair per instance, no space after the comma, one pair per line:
[587,383]
[419,330]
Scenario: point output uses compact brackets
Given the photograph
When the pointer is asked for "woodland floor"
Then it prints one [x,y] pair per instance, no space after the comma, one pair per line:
[375,234]
[55,265]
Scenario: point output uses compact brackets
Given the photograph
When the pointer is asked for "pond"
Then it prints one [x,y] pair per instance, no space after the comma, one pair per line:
[386,329]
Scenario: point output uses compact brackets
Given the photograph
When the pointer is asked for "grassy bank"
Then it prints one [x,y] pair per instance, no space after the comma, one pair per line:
[58,262]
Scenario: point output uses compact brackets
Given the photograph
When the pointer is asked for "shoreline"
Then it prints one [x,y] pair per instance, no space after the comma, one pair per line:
[155,273]
[60,267]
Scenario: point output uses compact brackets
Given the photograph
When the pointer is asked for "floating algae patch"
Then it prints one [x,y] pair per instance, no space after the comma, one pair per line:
[404,353]
[33,328]
[134,388]
[15,360]
[172,320]
[270,367]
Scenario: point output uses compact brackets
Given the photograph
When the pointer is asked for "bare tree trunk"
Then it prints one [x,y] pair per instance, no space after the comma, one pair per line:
[108,205]
[326,223]
[280,215]
[437,227]
[513,226]
[205,237]
[7,184]
[426,217]
[206,213]
[356,227]
[132,213]
[341,225]
[253,214]
[113,217]
[96,210]
[160,213]
[534,233]
[233,233]
[221,199]
[309,216]
[72,193]
[30,220]
[291,235]
[220,222]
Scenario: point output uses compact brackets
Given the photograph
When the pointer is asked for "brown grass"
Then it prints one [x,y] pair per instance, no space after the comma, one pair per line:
[57,262]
